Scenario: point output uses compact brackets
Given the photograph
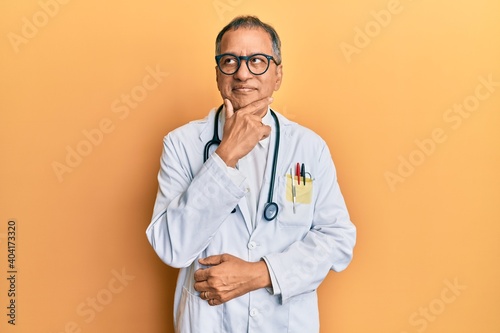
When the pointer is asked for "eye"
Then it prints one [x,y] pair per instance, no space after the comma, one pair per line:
[258,60]
[228,60]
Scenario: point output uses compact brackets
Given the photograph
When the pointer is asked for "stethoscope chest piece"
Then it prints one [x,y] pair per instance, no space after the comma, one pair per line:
[270,211]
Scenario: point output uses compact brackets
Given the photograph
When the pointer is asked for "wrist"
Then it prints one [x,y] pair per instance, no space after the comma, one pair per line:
[263,277]
[226,157]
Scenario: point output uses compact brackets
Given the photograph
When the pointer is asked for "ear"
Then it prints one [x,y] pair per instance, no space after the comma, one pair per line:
[279,77]
[217,73]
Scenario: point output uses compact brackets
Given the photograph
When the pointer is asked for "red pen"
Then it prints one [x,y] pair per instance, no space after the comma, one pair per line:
[297,172]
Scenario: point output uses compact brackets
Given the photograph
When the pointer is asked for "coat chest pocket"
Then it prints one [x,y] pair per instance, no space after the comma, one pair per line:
[300,212]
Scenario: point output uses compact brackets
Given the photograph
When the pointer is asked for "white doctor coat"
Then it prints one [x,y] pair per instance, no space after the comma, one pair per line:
[192,219]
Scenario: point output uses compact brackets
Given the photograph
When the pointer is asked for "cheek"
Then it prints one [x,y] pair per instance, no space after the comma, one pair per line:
[223,84]
[268,86]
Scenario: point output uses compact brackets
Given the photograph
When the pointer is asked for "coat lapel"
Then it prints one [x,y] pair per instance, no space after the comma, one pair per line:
[245,212]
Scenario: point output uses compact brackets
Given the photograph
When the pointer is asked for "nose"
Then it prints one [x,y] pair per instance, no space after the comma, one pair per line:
[243,73]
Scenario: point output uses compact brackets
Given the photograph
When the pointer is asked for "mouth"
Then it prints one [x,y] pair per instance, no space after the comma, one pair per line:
[243,89]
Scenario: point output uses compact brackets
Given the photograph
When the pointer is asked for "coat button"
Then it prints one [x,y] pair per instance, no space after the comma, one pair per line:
[254,312]
[252,245]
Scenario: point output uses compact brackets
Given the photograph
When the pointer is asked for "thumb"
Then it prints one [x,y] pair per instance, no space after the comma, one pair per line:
[229,108]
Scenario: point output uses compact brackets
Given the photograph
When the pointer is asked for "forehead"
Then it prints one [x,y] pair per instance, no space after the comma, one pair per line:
[246,41]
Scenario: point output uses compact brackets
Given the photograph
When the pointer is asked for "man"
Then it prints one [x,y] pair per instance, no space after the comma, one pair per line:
[244,266]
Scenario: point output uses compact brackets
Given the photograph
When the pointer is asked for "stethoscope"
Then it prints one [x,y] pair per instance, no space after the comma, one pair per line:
[271,208]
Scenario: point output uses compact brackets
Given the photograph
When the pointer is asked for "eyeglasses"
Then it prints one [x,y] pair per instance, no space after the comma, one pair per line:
[257,64]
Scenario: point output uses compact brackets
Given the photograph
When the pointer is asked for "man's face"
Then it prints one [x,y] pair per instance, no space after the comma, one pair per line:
[243,87]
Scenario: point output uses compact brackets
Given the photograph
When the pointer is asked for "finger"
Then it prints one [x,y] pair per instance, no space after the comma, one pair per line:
[204,295]
[216,302]
[201,274]
[258,107]
[262,105]
[201,286]
[266,131]
[211,260]
[229,108]
[215,299]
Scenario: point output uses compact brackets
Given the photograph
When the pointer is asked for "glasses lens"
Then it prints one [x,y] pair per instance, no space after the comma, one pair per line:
[258,64]
[228,64]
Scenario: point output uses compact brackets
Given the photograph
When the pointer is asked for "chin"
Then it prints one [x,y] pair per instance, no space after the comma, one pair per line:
[242,101]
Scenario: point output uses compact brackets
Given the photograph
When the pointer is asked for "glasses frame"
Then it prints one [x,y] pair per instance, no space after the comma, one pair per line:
[246,58]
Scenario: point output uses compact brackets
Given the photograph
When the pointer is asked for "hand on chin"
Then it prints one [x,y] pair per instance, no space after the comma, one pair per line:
[242,101]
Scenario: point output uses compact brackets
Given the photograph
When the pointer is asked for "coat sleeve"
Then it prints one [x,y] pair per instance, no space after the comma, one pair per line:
[188,209]
[328,245]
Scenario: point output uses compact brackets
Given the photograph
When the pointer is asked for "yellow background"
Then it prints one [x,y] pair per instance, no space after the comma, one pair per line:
[438,225]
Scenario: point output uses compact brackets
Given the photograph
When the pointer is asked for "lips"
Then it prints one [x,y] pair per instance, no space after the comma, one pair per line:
[243,89]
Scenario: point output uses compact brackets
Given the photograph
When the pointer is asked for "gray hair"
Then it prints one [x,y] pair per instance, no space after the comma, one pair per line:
[251,22]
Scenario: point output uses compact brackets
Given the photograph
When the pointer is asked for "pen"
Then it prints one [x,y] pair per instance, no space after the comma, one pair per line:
[297,172]
[303,173]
